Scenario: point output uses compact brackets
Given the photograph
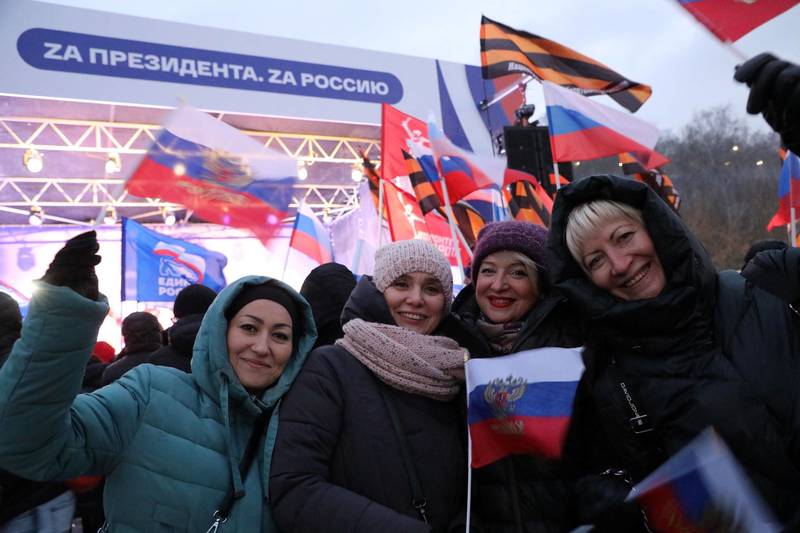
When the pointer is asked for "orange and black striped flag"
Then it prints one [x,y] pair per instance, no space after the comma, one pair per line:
[505,51]
[655,179]
[373,178]
[426,195]
[469,221]
[526,204]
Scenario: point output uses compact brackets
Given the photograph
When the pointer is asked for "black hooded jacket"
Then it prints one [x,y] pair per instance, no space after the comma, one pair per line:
[327,288]
[521,493]
[710,350]
[142,335]
[337,463]
[180,337]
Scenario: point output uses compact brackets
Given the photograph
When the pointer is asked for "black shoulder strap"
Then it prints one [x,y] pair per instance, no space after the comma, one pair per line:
[418,500]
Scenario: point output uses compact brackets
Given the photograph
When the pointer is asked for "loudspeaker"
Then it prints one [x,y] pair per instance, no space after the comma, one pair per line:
[528,150]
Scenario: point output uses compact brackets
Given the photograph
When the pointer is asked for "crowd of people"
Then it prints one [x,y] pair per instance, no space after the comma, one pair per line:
[342,407]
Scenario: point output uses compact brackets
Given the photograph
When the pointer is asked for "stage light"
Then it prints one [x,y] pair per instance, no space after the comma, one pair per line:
[36,218]
[577,163]
[169,216]
[111,216]
[113,163]
[32,160]
[302,171]
[326,217]
[356,174]
[735,148]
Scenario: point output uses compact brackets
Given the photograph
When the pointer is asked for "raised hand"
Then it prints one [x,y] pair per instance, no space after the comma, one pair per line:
[73,265]
[775,93]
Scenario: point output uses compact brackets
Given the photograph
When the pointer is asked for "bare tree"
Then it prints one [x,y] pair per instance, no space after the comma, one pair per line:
[727,196]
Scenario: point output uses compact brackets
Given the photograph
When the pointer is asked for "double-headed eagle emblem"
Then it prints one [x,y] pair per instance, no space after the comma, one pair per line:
[502,393]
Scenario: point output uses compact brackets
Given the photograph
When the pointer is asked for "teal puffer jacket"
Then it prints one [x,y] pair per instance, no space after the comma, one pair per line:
[169,443]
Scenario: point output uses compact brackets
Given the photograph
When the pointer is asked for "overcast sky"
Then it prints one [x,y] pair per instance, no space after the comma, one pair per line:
[653,41]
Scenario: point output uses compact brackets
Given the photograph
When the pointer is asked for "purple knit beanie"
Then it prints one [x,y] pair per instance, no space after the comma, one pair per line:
[523,237]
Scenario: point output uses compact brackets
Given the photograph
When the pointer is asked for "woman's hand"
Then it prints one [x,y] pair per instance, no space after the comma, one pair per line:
[73,266]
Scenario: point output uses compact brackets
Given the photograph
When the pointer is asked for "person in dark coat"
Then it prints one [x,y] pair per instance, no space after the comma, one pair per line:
[339,461]
[327,289]
[142,335]
[673,347]
[509,308]
[25,504]
[190,306]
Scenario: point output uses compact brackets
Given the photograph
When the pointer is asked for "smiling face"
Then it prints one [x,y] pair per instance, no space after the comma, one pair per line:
[504,290]
[619,257]
[259,343]
[416,301]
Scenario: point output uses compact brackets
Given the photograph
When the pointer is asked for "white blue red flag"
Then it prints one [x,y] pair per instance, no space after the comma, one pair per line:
[155,267]
[220,173]
[466,172]
[788,192]
[521,403]
[310,237]
[581,129]
[702,489]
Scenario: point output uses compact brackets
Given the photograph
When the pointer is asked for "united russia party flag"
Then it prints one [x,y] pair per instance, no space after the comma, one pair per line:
[702,489]
[310,237]
[521,403]
[220,173]
[155,267]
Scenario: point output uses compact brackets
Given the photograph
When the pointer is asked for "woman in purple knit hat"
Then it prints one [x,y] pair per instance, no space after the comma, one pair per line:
[509,308]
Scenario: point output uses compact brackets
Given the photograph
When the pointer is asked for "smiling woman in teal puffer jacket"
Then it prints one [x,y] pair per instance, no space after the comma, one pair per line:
[169,443]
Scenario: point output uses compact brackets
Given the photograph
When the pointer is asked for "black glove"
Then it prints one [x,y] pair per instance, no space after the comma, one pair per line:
[775,93]
[73,265]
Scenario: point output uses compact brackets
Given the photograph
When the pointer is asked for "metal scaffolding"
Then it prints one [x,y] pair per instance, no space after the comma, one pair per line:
[20,194]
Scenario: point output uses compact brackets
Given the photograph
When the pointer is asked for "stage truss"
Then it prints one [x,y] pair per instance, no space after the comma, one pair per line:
[63,195]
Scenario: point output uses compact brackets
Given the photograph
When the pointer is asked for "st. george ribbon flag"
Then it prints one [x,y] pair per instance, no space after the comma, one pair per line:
[220,173]
[155,267]
[702,489]
[521,403]
[581,129]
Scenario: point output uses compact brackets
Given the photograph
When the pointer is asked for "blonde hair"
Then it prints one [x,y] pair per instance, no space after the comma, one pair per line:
[531,268]
[587,218]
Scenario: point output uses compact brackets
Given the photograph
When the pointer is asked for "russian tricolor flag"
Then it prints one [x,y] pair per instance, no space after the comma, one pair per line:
[581,129]
[788,192]
[310,237]
[220,173]
[521,403]
[702,489]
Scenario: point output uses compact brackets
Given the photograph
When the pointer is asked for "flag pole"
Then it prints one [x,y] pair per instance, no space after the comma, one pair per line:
[527,78]
[380,212]
[449,211]
[558,176]
[469,452]
[793,228]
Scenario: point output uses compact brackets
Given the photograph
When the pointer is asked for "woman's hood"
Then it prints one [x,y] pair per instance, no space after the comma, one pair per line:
[210,364]
[687,266]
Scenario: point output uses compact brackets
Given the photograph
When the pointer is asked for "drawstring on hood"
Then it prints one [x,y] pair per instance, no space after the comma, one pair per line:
[213,372]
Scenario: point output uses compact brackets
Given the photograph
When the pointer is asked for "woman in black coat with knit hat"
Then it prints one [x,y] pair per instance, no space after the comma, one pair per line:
[673,348]
[372,435]
[509,308]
